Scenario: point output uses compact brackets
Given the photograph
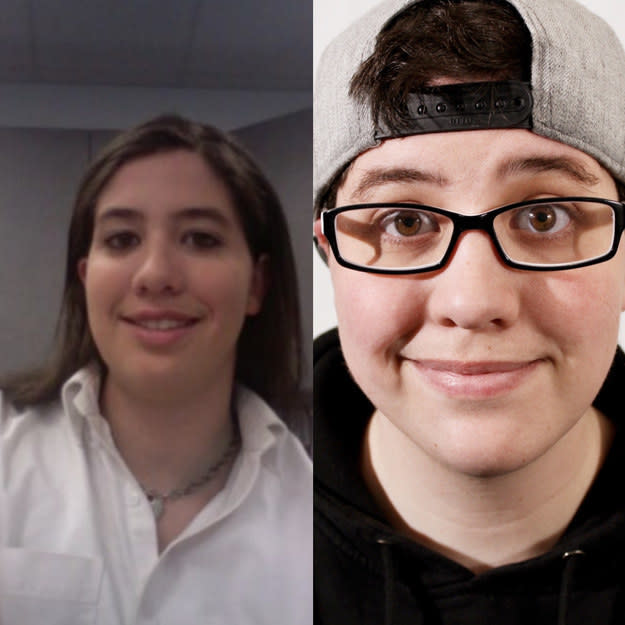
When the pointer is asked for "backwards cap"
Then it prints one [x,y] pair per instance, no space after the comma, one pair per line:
[577,86]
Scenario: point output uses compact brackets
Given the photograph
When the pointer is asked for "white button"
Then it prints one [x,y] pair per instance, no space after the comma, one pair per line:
[134,497]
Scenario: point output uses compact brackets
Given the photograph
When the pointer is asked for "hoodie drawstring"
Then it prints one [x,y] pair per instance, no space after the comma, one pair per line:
[570,559]
[389,579]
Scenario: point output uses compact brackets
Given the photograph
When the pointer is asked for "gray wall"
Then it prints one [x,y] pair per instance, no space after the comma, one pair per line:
[39,172]
[283,147]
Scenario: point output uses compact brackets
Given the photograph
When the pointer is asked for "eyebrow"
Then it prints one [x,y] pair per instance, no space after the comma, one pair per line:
[377,177]
[132,214]
[374,178]
[571,168]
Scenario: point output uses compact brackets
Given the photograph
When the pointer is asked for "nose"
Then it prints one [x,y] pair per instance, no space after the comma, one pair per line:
[475,290]
[157,271]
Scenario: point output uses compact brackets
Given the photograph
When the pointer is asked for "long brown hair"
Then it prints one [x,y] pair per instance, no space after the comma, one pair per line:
[269,351]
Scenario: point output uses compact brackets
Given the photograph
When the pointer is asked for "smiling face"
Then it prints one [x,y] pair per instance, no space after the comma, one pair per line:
[169,278]
[483,367]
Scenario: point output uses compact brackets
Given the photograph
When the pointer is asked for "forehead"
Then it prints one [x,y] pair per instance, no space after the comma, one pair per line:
[165,181]
[471,159]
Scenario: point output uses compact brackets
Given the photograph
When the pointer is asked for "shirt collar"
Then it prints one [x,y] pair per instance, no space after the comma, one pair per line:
[80,398]
[259,424]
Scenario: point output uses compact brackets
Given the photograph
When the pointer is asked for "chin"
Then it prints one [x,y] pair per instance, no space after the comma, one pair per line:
[486,458]
[154,377]
[479,445]
[487,469]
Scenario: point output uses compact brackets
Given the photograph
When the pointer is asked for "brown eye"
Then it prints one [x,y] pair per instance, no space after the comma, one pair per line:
[547,219]
[122,241]
[542,218]
[407,225]
[200,240]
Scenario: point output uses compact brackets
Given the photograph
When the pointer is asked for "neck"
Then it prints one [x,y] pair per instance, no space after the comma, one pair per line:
[167,443]
[483,522]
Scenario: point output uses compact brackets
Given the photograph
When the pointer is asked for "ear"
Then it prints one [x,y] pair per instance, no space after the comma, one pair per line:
[323,247]
[258,285]
[82,269]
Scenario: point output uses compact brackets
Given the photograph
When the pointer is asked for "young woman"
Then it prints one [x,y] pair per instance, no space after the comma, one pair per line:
[470,179]
[143,477]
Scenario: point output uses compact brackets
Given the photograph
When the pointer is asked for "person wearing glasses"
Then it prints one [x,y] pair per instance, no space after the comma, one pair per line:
[145,476]
[469,179]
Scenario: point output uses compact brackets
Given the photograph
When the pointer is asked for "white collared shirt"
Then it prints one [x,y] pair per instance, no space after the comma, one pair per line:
[78,536]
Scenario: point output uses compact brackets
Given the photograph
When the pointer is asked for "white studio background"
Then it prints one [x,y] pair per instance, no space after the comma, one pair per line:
[330,18]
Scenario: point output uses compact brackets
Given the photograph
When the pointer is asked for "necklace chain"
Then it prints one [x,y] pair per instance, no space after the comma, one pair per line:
[157,500]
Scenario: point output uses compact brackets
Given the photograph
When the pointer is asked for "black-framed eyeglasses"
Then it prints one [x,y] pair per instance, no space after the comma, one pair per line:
[549,234]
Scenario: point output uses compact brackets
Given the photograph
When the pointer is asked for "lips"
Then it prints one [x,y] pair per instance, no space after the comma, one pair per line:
[475,379]
[160,320]
[160,328]
[162,324]
[472,368]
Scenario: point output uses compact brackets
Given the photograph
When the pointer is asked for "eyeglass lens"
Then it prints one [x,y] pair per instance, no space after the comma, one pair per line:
[541,234]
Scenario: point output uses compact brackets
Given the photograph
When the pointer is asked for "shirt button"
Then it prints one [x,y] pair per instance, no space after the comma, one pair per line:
[134,497]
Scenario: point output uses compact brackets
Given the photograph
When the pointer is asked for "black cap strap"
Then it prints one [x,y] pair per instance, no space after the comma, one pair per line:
[465,106]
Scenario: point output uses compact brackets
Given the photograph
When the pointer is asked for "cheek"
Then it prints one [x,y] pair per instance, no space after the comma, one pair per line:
[105,283]
[580,311]
[223,288]
[377,315]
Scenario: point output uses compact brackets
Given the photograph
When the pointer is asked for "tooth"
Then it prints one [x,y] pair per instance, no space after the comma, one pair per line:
[162,324]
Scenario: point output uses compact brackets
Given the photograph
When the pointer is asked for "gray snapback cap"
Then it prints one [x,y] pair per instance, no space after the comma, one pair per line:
[577,82]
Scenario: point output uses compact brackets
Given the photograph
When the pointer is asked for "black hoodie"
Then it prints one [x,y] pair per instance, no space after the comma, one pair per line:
[366,573]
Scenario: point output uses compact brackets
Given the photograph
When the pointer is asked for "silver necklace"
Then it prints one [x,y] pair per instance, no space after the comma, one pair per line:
[157,500]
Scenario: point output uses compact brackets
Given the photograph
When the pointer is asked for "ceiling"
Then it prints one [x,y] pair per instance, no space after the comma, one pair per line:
[110,64]
[204,44]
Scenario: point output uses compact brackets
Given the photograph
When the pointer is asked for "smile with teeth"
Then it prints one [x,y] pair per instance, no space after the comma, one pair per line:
[162,324]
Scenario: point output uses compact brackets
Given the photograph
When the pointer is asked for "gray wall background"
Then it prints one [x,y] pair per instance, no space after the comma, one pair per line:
[284,148]
[39,172]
